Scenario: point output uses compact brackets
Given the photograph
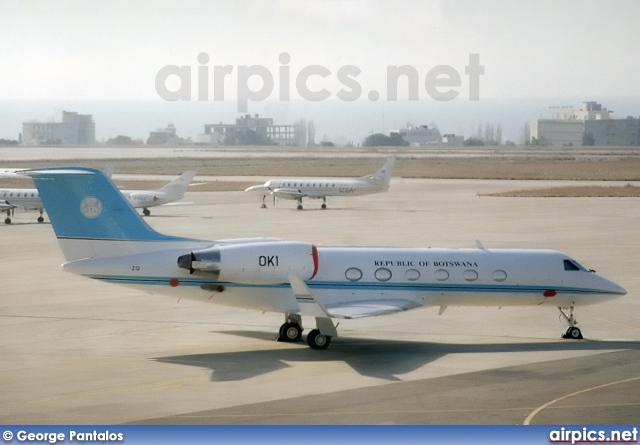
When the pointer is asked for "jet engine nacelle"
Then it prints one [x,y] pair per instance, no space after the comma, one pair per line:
[142,198]
[253,263]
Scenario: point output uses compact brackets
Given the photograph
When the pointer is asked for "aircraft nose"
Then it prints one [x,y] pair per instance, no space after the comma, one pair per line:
[257,189]
[613,288]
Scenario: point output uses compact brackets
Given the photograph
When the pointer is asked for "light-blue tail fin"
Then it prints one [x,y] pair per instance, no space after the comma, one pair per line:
[82,203]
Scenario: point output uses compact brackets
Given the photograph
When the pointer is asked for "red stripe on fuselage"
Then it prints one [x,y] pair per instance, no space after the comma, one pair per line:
[314,254]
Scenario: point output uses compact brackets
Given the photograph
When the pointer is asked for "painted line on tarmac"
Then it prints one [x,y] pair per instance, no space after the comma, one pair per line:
[535,412]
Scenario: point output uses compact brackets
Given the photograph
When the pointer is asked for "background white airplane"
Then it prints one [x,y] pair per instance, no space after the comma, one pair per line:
[102,237]
[30,198]
[9,172]
[317,188]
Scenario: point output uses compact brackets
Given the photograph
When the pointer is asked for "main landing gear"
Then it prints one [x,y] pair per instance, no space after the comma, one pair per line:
[146,211]
[316,340]
[291,332]
[10,214]
[323,206]
[572,331]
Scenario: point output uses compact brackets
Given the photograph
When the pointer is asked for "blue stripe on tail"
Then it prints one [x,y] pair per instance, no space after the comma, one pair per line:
[83,203]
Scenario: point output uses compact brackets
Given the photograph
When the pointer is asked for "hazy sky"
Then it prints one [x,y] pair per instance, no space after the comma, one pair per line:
[113,49]
[77,54]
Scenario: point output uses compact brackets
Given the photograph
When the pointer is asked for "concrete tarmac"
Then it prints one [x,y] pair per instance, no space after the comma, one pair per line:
[78,351]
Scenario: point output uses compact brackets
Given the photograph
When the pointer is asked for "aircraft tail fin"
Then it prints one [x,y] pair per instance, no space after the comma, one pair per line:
[177,188]
[86,209]
[108,171]
[382,176]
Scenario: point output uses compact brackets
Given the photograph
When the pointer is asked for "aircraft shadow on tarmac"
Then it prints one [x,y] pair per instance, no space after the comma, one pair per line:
[382,359]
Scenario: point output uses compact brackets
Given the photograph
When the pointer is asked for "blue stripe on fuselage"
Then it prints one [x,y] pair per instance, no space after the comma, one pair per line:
[408,287]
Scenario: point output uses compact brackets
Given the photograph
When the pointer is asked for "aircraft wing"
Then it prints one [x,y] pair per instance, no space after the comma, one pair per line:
[4,205]
[311,306]
[11,172]
[373,308]
[288,193]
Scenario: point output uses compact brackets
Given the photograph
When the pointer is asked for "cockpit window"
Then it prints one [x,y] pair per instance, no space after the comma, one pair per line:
[573,265]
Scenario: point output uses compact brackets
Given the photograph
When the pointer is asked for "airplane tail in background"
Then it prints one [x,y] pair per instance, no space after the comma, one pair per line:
[382,176]
[177,188]
[88,212]
[108,171]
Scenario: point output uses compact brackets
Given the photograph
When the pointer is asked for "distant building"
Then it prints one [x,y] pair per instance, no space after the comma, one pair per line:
[588,111]
[557,131]
[253,131]
[452,140]
[75,129]
[163,136]
[425,136]
[590,125]
[419,136]
[623,132]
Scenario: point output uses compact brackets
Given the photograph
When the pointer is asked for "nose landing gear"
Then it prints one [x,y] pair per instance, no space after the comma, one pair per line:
[572,331]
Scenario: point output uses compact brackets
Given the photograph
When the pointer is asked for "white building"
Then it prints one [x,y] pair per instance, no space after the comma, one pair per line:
[590,125]
[588,111]
[557,131]
[163,136]
[420,136]
[75,129]
[252,130]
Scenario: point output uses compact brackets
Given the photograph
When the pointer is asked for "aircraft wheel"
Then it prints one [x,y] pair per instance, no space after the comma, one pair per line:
[146,212]
[299,206]
[7,221]
[324,206]
[40,219]
[318,341]
[263,206]
[573,333]
[290,332]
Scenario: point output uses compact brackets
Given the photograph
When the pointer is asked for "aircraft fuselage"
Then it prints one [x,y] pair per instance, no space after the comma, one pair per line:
[344,275]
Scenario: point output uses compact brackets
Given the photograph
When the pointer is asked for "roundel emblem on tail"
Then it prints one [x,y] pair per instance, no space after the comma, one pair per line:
[90,207]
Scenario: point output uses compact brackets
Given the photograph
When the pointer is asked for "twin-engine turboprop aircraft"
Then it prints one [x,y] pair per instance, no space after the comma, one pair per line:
[29,199]
[320,188]
[102,237]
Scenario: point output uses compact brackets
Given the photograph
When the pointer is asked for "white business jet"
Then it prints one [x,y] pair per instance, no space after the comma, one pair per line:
[9,172]
[320,188]
[102,237]
[29,199]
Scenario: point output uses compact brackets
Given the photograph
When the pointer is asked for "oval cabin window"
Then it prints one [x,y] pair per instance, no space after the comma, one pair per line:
[470,275]
[383,274]
[412,275]
[499,275]
[353,274]
[441,275]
